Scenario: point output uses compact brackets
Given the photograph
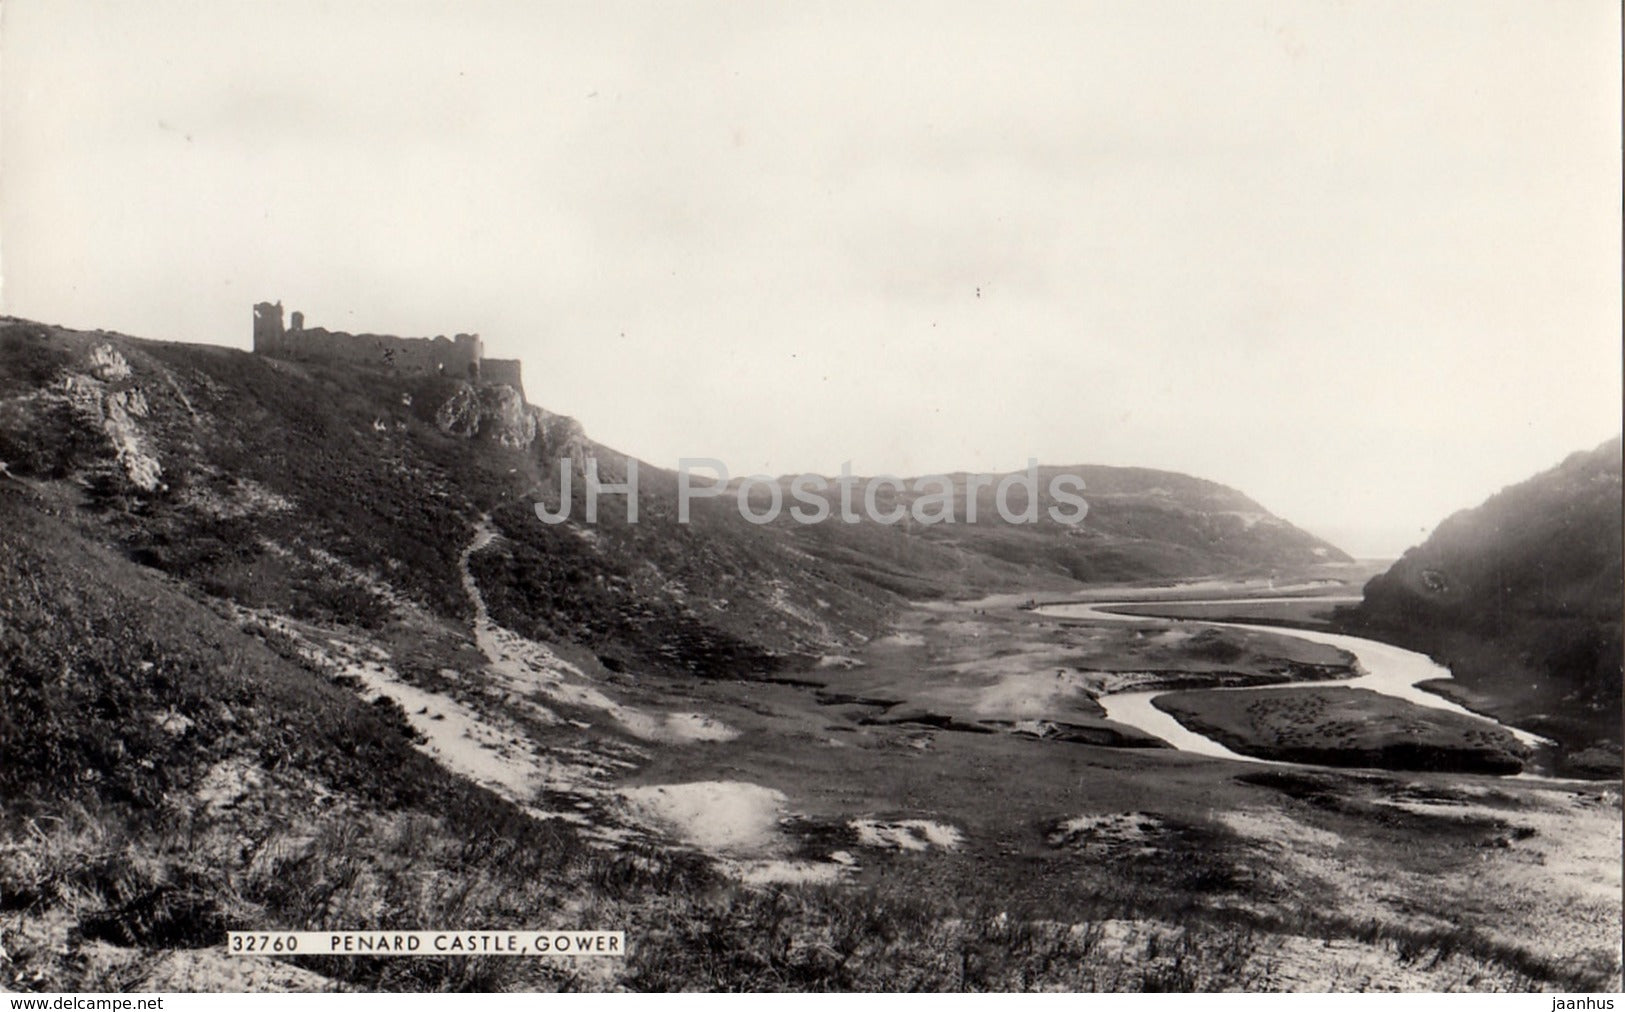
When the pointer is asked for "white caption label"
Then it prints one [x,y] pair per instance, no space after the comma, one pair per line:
[426,943]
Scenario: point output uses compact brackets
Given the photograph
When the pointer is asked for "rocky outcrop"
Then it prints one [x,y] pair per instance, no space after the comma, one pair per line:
[460,414]
[104,397]
[562,438]
[504,417]
[492,411]
[107,365]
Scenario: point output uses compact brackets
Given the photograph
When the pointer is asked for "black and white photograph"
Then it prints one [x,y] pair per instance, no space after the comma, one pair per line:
[1061,496]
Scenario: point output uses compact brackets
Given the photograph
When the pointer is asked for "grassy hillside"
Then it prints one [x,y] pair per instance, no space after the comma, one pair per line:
[1522,598]
[321,492]
[325,493]
[1140,524]
[160,760]
[170,776]
[284,646]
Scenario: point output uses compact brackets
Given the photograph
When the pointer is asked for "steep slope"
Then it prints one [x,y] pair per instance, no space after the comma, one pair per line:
[1522,597]
[171,771]
[323,492]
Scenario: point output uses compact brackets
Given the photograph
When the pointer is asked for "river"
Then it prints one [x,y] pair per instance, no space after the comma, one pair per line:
[1380,667]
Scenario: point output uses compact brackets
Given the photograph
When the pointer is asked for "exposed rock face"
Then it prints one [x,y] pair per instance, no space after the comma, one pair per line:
[460,415]
[115,410]
[493,411]
[503,416]
[107,365]
[140,466]
[562,439]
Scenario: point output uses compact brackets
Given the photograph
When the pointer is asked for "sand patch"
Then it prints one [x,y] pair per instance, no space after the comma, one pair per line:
[527,668]
[212,970]
[778,872]
[1274,827]
[1030,694]
[1568,843]
[906,834]
[687,727]
[459,739]
[841,661]
[490,749]
[724,816]
[218,970]
[901,639]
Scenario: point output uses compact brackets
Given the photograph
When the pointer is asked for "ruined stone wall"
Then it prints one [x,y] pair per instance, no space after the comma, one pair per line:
[459,357]
[267,326]
[405,354]
[462,357]
[503,370]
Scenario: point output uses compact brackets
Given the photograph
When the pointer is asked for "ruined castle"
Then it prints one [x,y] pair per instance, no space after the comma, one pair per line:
[462,357]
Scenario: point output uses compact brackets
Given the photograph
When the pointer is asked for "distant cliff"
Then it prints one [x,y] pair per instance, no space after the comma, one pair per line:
[1522,597]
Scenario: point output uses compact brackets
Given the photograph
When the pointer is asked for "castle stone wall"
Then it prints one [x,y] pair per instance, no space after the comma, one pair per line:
[503,370]
[459,357]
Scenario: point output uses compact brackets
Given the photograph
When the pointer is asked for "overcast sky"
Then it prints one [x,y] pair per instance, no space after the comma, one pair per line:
[1359,260]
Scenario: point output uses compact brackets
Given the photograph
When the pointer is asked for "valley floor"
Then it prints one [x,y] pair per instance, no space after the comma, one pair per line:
[947,807]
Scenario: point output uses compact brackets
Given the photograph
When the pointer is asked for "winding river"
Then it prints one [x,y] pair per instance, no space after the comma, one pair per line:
[1380,667]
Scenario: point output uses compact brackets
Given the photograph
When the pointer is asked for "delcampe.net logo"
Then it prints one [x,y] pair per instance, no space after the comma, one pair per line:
[814,499]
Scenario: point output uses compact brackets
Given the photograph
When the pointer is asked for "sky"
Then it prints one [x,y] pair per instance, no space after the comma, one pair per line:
[1358,260]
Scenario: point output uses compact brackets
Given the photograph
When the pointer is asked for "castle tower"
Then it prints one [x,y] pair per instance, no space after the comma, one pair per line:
[268,330]
[470,351]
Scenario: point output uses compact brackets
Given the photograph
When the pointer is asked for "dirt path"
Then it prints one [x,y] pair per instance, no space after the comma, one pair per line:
[527,668]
